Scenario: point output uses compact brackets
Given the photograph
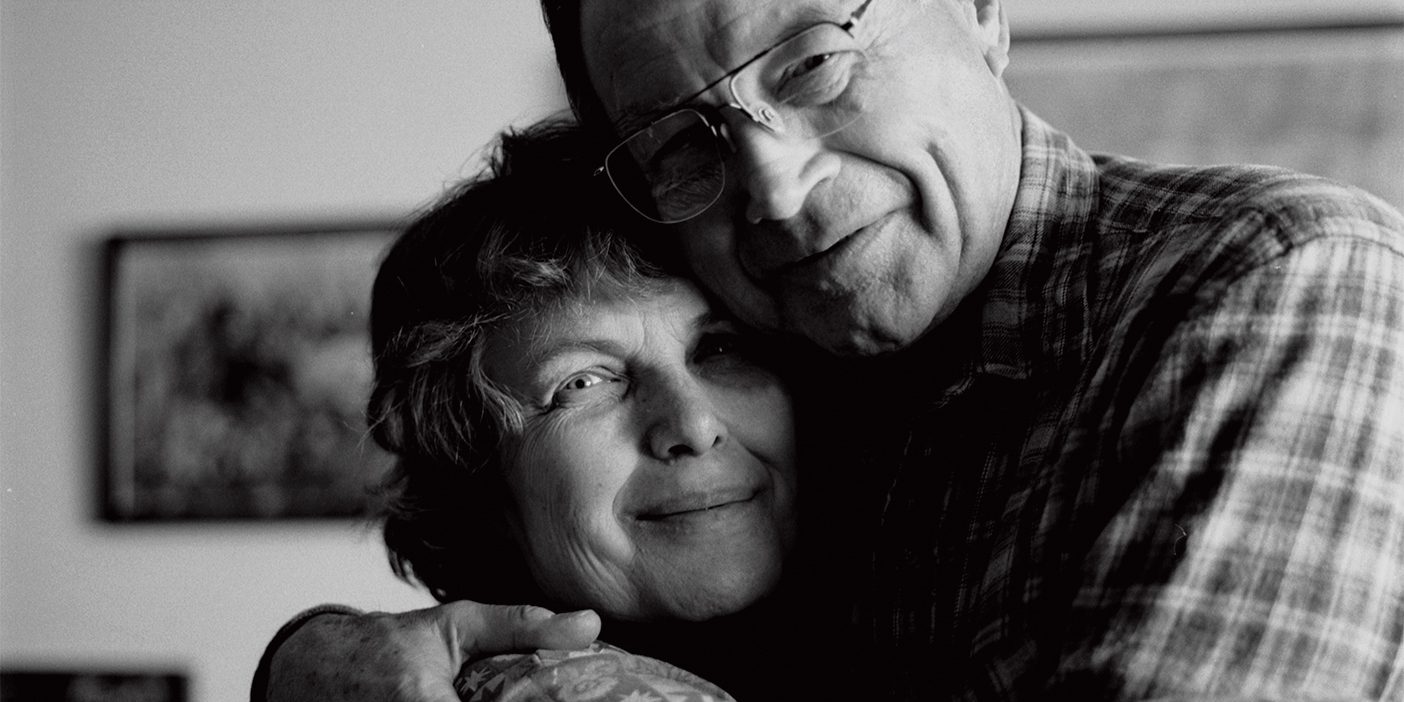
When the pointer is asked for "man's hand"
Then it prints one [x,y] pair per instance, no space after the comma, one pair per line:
[414,656]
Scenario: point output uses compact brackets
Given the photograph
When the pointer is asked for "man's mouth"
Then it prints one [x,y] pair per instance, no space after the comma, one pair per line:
[822,267]
[817,258]
[819,270]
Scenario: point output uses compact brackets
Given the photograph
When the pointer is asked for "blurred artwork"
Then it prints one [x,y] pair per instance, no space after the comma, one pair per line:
[238,371]
[54,686]
[1323,101]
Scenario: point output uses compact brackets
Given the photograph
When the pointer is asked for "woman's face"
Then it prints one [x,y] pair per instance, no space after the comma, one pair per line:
[655,476]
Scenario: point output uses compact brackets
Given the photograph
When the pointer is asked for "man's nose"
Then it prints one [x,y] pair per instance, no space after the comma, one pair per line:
[682,420]
[778,169]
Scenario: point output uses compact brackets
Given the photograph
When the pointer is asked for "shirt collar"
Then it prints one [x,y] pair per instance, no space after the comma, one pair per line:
[1027,319]
[1028,314]
[1035,295]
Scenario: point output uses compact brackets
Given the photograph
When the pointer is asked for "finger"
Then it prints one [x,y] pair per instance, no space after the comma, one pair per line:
[567,630]
[479,630]
[418,689]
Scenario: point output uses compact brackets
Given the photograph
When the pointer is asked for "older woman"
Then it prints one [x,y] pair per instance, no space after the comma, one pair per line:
[574,426]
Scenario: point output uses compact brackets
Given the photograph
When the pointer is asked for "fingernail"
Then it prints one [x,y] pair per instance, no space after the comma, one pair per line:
[576,615]
[539,614]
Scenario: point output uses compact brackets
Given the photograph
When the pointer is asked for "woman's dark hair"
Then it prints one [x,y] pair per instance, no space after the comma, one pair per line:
[533,231]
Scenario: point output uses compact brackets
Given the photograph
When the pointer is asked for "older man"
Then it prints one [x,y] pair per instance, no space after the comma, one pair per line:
[1147,422]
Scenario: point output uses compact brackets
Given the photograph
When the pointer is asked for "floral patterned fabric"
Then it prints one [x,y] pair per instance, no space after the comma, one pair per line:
[601,673]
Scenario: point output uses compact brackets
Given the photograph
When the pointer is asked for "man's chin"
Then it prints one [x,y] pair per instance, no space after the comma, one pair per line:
[835,328]
[863,350]
[860,342]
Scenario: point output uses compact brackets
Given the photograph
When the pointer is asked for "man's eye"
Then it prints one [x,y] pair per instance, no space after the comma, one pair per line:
[810,63]
[816,79]
[807,69]
[684,147]
[682,191]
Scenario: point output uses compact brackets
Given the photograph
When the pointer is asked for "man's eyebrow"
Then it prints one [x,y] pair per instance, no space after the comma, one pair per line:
[635,117]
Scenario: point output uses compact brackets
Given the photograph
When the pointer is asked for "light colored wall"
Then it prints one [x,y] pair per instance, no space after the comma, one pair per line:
[1325,101]
[1061,17]
[179,112]
[173,112]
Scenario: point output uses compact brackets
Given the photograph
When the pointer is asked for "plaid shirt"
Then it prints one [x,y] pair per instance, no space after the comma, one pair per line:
[1163,453]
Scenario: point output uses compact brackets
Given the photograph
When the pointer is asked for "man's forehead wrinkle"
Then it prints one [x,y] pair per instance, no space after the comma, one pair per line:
[751,31]
[728,34]
[642,55]
[728,42]
[633,110]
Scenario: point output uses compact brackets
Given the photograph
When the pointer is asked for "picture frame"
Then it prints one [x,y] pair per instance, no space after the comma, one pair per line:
[62,683]
[237,369]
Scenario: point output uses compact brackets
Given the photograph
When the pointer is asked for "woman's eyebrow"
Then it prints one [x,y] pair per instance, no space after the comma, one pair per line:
[713,318]
[537,357]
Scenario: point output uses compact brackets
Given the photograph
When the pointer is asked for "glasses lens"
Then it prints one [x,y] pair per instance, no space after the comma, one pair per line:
[670,170]
[806,86]
[810,80]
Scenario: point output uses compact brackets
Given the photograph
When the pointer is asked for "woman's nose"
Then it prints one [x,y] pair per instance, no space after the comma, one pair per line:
[778,170]
[682,421]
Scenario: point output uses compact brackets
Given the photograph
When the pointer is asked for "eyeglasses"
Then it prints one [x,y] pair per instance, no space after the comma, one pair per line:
[673,169]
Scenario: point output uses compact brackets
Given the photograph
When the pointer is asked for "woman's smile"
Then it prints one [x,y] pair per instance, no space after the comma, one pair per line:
[658,470]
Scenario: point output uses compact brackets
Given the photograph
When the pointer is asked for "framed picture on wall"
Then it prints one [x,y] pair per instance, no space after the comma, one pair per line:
[22,685]
[238,366]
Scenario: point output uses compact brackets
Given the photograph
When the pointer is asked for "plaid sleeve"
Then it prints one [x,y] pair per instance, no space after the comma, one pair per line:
[1263,554]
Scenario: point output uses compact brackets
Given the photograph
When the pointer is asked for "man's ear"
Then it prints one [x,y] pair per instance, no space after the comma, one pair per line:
[992,29]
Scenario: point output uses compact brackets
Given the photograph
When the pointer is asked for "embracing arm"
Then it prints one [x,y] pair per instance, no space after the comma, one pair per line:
[1262,554]
[338,653]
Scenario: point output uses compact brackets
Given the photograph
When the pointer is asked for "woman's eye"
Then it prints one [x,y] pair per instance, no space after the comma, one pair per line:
[733,358]
[730,350]
[714,345]
[583,386]
[581,382]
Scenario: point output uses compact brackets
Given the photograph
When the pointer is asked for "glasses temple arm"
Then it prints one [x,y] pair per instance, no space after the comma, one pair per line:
[856,17]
